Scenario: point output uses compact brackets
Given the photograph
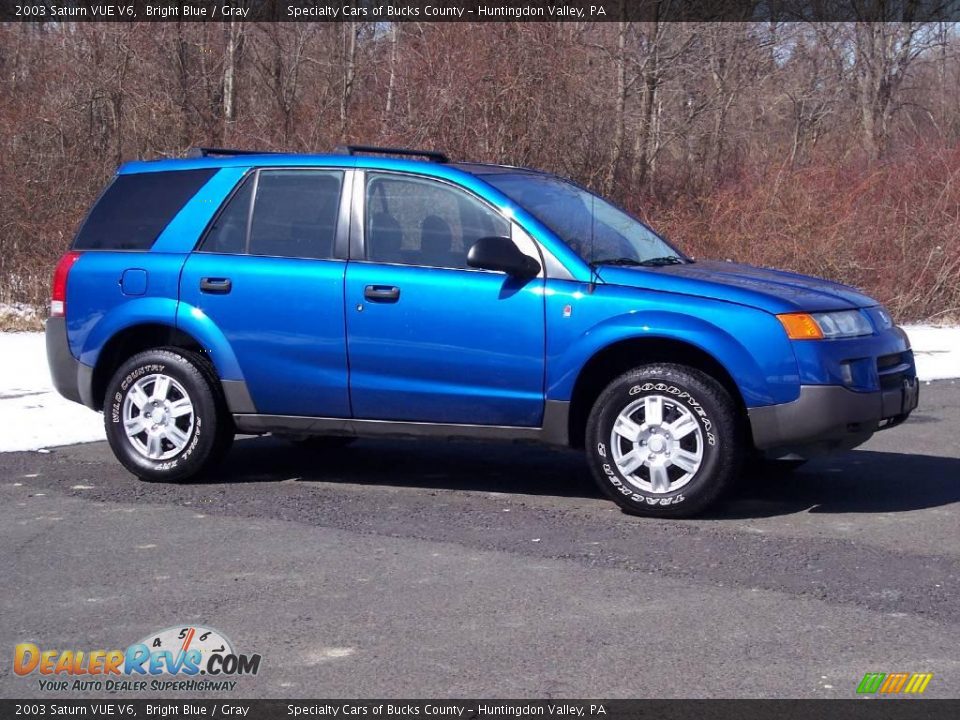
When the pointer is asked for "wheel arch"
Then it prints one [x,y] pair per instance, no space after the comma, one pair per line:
[128,342]
[617,358]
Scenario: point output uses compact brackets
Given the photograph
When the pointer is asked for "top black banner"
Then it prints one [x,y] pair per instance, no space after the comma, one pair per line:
[377,11]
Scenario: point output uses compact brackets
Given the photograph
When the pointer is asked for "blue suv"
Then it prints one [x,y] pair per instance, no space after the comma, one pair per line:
[376,291]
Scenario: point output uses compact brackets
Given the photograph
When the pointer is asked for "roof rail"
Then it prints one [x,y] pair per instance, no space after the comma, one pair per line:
[202,152]
[431,155]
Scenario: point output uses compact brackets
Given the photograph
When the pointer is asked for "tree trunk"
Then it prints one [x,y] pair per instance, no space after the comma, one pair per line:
[619,128]
[350,54]
[391,80]
[231,51]
[647,140]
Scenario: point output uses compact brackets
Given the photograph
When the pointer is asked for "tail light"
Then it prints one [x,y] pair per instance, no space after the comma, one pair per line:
[58,296]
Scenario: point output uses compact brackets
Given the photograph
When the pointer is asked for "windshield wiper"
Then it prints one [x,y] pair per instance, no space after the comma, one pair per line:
[633,262]
[616,261]
[661,261]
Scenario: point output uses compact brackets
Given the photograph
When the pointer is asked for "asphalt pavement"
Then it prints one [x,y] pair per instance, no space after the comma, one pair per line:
[432,569]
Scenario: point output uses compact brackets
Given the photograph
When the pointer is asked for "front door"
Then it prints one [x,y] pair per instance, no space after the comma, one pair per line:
[428,339]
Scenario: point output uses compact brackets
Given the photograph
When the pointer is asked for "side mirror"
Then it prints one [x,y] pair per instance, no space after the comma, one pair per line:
[500,253]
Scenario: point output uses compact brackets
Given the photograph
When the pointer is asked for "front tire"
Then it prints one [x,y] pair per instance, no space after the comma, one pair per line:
[663,440]
[165,416]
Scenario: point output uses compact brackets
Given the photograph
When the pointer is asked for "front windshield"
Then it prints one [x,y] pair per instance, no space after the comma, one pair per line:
[593,228]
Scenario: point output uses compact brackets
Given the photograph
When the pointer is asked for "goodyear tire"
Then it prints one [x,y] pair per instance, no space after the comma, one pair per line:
[663,440]
[165,415]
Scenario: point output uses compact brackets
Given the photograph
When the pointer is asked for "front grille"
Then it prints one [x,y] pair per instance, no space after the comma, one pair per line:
[892,370]
[888,361]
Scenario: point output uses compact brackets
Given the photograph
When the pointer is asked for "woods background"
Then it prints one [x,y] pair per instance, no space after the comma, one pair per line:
[829,149]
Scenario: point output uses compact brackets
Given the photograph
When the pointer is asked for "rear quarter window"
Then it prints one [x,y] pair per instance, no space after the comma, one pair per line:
[133,211]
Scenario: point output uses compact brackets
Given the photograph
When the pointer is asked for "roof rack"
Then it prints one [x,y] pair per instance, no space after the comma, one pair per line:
[202,152]
[431,155]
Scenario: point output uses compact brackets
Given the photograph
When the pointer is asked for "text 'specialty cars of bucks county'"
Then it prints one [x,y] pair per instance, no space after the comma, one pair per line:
[380,291]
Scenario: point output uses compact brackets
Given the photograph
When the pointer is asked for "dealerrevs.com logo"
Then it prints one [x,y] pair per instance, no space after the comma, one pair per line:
[172,659]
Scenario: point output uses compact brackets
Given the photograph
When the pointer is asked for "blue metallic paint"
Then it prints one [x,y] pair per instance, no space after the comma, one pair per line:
[460,346]
[820,361]
[97,309]
[775,291]
[284,322]
[749,343]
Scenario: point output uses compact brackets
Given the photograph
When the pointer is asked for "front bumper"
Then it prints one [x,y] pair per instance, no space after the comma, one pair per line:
[830,417]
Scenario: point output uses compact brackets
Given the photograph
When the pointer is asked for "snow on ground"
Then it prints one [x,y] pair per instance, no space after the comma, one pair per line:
[936,351]
[34,416]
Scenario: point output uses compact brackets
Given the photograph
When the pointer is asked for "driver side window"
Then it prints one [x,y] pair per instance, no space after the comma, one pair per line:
[417,221]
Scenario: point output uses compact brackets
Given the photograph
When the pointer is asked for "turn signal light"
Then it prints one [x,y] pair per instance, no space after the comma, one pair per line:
[800,326]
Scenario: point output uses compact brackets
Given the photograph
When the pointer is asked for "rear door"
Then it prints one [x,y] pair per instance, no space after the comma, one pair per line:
[269,274]
[429,339]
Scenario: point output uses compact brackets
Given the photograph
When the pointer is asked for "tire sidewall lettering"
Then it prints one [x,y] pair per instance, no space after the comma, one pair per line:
[685,396]
[199,444]
[128,380]
[612,476]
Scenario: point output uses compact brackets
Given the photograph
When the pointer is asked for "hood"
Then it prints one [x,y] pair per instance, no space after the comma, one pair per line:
[775,291]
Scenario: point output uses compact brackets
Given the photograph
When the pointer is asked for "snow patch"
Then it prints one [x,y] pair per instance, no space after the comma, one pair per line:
[32,414]
[936,350]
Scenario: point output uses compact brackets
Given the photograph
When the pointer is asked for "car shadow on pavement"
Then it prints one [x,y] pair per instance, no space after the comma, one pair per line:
[520,468]
[850,482]
[859,481]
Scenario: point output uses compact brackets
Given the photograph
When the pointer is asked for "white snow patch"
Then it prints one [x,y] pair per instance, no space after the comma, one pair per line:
[32,414]
[936,350]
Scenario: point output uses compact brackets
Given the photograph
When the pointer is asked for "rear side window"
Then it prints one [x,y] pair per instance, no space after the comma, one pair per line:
[294,215]
[228,234]
[135,209]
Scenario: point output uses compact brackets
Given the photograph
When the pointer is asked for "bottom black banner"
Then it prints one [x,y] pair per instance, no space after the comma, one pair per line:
[902,709]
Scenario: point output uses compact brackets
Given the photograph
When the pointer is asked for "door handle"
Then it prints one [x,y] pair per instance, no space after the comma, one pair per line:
[381,293]
[217,286]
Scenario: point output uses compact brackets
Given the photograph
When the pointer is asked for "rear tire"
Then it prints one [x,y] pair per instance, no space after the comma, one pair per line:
[663,440]
[165,415]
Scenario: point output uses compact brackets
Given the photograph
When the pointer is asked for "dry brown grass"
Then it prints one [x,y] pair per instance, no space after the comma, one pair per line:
[892,230]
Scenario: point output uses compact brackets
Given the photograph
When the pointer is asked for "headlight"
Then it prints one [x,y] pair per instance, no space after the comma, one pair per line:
[825,325]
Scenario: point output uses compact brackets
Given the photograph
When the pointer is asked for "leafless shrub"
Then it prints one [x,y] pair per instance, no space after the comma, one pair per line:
[829,149]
